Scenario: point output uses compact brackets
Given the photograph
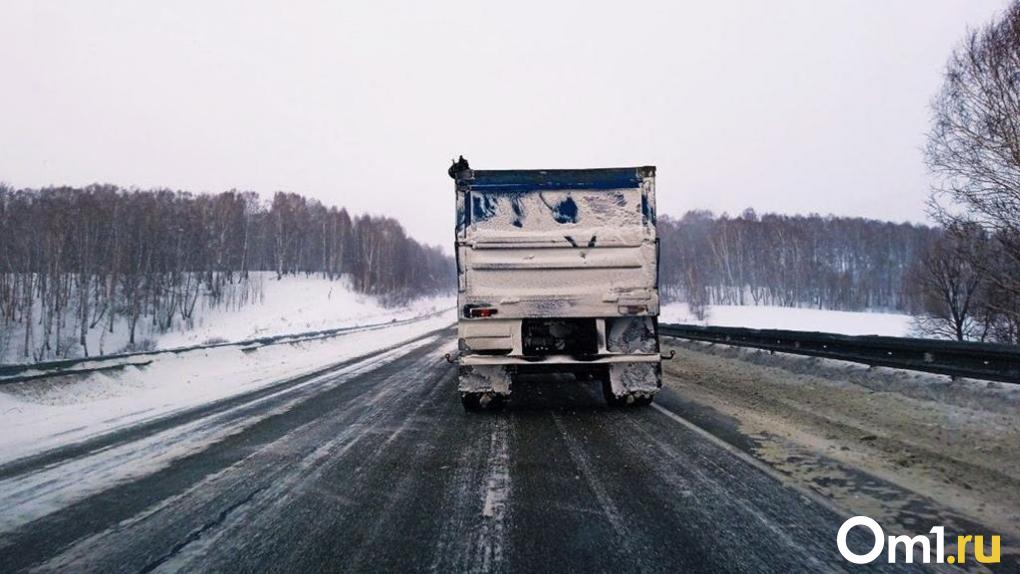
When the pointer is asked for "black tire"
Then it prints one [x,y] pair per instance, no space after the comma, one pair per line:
[471,401]
[607,393]
[475,402]
[642,401]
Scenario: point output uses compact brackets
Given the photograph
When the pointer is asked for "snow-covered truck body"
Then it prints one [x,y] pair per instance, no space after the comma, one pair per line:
[557,271]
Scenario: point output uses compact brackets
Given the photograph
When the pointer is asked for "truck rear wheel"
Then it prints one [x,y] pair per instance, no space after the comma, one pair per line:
[643,401]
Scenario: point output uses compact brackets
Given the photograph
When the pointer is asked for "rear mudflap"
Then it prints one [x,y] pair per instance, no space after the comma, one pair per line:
[635,379]
[493,379]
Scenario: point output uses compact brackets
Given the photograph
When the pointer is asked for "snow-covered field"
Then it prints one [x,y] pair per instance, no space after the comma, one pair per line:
[40,415]
[295,304]
[794,319]
[263,306]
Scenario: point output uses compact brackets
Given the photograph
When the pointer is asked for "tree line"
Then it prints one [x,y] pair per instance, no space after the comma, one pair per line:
[970,276]
[842,263]
[77,259]
[960,281]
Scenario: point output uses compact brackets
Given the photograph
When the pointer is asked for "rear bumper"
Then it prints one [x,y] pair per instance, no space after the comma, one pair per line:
[501,341]
[494,360]
[622,375]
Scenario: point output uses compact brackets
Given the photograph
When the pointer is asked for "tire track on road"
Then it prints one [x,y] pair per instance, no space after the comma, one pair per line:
[490,542]
[608,508]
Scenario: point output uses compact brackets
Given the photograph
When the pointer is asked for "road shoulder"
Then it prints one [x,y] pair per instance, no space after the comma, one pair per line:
[910,450]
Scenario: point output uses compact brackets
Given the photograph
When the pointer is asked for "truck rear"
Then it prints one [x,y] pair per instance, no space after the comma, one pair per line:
[557,272]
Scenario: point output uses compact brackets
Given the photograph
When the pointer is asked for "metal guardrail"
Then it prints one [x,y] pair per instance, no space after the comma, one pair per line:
[958,359]
[18,373]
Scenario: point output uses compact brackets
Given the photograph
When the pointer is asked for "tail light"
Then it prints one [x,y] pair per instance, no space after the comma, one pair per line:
[632,309]
[482,312]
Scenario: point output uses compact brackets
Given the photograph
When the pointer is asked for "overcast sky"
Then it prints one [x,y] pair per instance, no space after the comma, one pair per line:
[789,106]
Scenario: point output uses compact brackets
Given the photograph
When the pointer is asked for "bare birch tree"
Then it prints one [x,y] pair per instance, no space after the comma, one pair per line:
[974,151]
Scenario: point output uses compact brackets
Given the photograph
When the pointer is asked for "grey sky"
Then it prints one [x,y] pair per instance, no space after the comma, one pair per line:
[791,106]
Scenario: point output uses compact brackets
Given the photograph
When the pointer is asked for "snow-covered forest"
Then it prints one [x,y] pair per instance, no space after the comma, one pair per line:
[960,281]
[842,263]
[77,260]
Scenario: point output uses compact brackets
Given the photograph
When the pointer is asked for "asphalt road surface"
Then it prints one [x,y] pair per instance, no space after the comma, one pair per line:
[375,466]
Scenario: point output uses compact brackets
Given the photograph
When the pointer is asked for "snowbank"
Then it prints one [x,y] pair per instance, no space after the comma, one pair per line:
[40,415]
[263,306]
[295,304]
[794,319]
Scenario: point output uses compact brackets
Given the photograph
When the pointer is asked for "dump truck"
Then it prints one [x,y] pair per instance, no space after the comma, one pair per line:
[557,272]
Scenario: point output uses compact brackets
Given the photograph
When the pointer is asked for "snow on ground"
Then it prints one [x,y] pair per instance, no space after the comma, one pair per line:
[40,415]
[794,319]
[262,306]
[295,304]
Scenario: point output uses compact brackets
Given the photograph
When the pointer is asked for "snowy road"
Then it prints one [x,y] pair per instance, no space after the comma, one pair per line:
[375,467]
